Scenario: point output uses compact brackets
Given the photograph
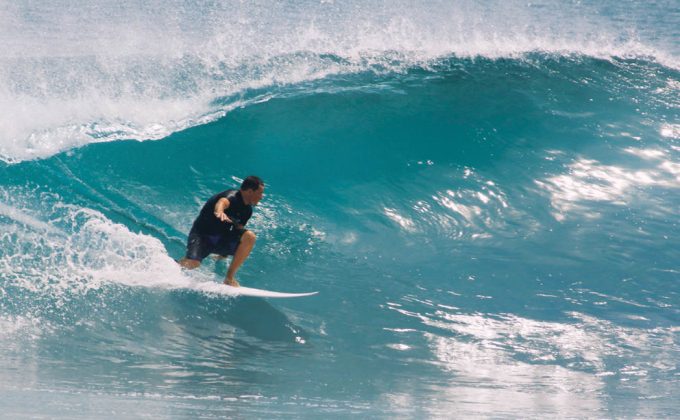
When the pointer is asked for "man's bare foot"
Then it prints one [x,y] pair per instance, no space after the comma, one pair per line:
[188,263]
[231,282]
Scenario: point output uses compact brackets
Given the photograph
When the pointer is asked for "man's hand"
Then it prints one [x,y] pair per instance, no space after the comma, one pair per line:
[223,217]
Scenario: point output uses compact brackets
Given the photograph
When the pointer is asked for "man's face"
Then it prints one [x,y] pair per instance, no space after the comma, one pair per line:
[254,196]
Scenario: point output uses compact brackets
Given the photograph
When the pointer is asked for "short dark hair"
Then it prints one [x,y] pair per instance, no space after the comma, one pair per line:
[252,183]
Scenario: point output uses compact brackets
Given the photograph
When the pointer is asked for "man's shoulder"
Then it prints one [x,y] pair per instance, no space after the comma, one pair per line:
[224,194]
[235,197]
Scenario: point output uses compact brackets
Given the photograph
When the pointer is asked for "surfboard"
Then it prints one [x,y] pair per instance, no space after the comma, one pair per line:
[249,291]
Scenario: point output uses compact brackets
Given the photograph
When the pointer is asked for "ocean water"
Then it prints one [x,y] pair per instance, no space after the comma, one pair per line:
[485,196]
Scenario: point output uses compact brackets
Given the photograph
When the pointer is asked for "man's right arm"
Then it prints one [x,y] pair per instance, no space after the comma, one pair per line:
[221,205]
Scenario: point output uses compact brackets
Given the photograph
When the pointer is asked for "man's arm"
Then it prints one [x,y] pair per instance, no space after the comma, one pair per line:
[221,205]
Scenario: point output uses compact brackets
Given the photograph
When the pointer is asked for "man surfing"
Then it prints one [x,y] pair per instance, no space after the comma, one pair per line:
[220,228]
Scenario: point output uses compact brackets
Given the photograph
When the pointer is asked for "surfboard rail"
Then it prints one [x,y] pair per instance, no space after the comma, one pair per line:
[250,291]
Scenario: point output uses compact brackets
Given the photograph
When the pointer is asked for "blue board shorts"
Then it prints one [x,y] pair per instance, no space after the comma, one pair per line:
[200,246]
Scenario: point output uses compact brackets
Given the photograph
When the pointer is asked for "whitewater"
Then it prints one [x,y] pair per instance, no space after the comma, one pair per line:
[485,196]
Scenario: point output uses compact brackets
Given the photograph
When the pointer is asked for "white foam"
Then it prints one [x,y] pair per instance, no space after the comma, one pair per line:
[19,326]
[26,219]
[106,71]
[671,131]
[69,250]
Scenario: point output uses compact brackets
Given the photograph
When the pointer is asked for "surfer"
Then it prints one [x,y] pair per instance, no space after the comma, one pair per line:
[220,228]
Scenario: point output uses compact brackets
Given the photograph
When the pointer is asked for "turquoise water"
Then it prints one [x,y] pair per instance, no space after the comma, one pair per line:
[485,198]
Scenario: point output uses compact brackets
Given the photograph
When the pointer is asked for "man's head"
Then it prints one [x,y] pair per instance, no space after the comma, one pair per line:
[252,189]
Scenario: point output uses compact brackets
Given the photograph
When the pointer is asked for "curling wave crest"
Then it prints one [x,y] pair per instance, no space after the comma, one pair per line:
[102,72]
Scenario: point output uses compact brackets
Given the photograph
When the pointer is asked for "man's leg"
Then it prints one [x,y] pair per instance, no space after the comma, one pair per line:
[244,247]
[197,249]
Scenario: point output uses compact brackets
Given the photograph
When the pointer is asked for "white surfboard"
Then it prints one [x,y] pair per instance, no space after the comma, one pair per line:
[249,291]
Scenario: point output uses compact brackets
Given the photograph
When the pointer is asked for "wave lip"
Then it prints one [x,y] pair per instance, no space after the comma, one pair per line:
[67,79]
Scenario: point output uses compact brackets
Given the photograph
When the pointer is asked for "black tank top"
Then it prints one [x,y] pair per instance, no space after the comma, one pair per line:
[207,224]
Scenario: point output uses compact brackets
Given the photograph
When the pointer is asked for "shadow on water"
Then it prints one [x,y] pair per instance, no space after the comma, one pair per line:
[254,316]
[259,319]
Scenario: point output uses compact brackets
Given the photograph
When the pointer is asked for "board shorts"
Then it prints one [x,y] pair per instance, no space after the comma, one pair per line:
[200,246]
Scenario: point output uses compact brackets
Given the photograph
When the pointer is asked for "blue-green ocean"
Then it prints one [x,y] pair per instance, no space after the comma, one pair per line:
[484,194]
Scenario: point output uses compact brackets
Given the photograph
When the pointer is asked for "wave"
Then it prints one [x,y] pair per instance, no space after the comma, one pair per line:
[55,253]
[109,215]
[144,72]
[479,212]
[39,125]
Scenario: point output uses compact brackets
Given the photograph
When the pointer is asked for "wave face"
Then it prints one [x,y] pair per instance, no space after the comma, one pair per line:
[485,197]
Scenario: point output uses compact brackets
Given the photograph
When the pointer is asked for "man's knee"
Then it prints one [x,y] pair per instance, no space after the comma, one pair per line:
[248,237]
